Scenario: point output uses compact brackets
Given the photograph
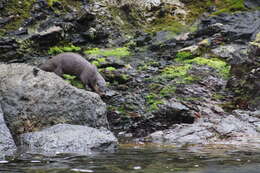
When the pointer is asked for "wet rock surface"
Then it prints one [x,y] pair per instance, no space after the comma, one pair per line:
[215,129]
[65,138]
[32,99]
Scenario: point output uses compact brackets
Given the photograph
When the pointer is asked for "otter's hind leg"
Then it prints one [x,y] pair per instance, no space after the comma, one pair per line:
[84,79]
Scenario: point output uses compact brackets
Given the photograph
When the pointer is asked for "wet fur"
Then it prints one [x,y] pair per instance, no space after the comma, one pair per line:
[75,64]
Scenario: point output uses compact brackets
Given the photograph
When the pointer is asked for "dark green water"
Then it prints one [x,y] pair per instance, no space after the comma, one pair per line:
[138,159]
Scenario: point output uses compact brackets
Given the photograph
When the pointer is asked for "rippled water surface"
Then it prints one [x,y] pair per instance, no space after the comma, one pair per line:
[140,159]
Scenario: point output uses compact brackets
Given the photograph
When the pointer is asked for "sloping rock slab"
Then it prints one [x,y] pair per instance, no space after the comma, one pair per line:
[65,138]
[239,27]
[7,145]
[226,129]
[33,99]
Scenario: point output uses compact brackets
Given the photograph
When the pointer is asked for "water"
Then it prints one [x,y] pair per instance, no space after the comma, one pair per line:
[143,159]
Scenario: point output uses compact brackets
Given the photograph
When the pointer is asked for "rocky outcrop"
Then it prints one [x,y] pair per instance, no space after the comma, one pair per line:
[7,145]
[241,128]
[44,24]
[32,99]
[178,101]
[65,138]
[164,81]
[241,52]
[233,42]
[233,37]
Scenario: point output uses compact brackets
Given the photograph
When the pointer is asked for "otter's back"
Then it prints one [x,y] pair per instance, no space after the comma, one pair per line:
[74,64]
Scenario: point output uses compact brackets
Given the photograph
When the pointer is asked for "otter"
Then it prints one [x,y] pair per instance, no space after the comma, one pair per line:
[75,64]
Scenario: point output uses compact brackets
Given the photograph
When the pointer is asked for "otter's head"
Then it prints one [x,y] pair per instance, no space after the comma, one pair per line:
[47,66]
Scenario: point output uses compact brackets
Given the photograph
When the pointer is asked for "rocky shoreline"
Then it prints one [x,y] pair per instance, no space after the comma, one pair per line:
[169,83]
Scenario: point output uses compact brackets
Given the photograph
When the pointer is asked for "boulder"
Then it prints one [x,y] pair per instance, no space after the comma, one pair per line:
[7,145]
[33,99]
[173,112]
[225,129]
[65,138]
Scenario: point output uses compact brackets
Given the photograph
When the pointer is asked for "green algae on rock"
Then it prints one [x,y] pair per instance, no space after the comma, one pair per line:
[110,68]
[178,73]
[153,101]
[166,24]
[229,6]
[222,67]
[196,8]
[172,72]
[98,61]
[183,56]
[51,2]
[73,81]
[60,49]
[167,91]
[117,52]
[18,11]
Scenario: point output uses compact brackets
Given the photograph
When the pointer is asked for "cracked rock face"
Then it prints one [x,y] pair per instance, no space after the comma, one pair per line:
[7,145]
[33,99]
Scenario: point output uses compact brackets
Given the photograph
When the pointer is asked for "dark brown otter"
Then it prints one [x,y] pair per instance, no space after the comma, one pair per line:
[75,64]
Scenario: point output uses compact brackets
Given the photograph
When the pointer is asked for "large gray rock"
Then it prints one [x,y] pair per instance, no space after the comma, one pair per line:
[233,53]
[7,145]
[33,99]
[242,128]
[65,138]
